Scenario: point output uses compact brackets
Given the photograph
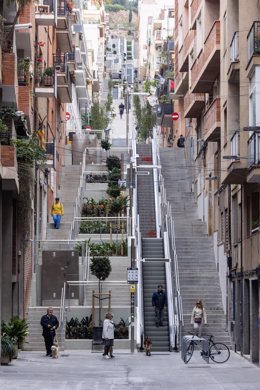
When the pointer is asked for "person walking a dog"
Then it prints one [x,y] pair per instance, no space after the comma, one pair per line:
[198,317]
[108,335]
[159,301]
[57,211]
[49,323]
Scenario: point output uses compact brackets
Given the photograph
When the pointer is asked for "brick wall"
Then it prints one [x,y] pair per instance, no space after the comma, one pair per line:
[8,69]
[7,156]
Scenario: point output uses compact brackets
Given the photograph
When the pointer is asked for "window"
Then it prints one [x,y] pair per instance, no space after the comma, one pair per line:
[252,102]
[180,33]
[255,210]
[199,35]
[225,126]
[235,219]
[225,32]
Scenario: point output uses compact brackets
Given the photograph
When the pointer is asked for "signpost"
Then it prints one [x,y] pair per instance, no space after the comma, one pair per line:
[67,116]
[175,116]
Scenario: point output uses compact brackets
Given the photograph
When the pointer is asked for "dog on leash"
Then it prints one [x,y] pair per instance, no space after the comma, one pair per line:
[148,345]
[55,350]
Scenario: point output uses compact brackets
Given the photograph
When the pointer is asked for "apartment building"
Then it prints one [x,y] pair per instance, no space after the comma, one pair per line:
[44,69]
[17,185]
[216,84]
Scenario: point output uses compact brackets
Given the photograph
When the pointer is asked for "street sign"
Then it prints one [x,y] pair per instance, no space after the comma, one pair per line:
[175,116]
[67,116]
[88,128]
[132,288]
[132,275]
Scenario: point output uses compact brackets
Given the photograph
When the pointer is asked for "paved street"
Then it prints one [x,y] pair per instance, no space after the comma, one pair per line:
[81,370]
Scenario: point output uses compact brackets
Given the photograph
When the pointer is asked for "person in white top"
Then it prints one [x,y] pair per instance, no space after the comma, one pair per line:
[108,335]
[198,317]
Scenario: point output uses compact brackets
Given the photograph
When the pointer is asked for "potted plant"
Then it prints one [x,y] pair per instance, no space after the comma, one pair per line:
[16,329]
[4,133]
[23,67]
[7,349]
[47,77]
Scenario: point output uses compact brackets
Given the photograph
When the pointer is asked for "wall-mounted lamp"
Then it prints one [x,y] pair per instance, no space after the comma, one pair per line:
[234,157]
[22,26]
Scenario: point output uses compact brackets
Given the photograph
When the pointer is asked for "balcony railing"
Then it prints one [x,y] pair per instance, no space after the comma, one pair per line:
[212,119]
[59,61]
[234,144]
[253,40]
[254,150]
[234,48]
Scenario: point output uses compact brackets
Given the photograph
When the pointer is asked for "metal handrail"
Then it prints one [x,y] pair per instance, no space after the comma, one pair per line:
[139,307]
[78,200]
[176,319]
[62,309]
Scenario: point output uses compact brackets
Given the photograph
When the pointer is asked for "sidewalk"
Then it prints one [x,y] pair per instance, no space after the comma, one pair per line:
[80,370]
[118,126]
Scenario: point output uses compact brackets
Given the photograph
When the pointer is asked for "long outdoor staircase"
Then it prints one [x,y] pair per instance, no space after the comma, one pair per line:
[197,269]
[152,251]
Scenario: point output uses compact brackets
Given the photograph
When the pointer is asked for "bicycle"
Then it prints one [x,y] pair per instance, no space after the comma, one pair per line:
[218,352]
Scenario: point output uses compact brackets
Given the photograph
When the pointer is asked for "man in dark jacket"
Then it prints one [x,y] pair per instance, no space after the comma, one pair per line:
[159,300]
[181,141]
[49,323]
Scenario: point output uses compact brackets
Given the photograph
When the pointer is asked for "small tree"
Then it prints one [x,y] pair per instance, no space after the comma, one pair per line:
[101,268]
[105,144]
[113,162]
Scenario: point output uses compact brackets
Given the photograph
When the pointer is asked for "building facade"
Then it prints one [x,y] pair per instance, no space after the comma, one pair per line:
[216,73]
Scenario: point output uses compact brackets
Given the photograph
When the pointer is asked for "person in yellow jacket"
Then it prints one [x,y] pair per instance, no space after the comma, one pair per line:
[57,210]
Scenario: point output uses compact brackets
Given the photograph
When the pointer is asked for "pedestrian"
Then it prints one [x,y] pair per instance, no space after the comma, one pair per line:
[121,109]
[57,211]
[181,141]
[198,317]
[108,336]
[159,300]
[49,323]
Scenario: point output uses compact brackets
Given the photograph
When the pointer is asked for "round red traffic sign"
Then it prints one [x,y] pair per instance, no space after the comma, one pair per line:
[175,116]
[67,116]
[88,128]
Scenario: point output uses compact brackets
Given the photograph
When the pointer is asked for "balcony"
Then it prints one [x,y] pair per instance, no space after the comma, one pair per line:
[195,7]
[45,84]
[71,61]
[45,13]
[184,53]
[254,158]
[212,122]
[233,71]
[207,66]
[8,168]
[193,104]
[253,48]
[63,31]
[63,78]
[181,83]
[237,169]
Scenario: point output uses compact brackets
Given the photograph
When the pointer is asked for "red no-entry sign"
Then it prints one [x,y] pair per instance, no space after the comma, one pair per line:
[67,116]
[175,116]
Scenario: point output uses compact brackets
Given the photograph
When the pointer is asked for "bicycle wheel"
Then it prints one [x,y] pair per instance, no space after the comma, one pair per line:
[219,353]
[189,353]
